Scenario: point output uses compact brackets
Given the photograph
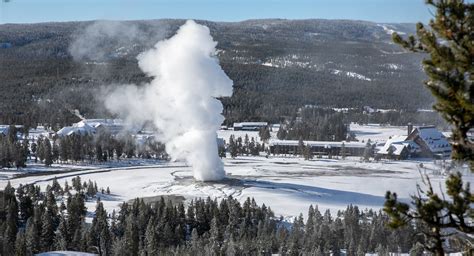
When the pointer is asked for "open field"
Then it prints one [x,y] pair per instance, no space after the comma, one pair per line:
[287,185]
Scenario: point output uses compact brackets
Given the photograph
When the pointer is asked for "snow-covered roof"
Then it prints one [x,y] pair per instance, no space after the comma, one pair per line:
[4,129]
[250,124]
[398,143]
[107,122]
[397,149]
[334,144]
[77,128]
[434,139]
[65,253]
[89,126]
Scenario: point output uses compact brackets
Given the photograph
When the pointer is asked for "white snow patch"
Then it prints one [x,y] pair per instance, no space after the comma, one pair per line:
[350,74]
[65,253]
[389,29]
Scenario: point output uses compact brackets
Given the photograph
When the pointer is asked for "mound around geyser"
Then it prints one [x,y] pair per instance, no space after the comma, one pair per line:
[181,98]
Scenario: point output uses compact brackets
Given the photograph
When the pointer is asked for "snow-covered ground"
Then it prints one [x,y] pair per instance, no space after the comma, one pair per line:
[39,169]
[376,132]
[287,185]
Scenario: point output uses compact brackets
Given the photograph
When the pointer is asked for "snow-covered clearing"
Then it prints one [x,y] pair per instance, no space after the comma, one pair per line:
[40,169]
[287,185]
[376,132]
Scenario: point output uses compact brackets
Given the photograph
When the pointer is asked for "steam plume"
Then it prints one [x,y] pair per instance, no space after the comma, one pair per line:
[181,98]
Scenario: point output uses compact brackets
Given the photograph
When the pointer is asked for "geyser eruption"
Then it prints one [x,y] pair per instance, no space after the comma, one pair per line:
[181,98]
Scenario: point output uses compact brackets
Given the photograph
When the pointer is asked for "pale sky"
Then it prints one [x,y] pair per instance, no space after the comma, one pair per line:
[31,11]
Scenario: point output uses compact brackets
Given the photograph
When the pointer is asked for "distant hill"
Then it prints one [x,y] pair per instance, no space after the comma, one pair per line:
[49,69]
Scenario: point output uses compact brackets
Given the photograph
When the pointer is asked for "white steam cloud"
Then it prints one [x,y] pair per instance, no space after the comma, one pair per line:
[103,40]
[181,98]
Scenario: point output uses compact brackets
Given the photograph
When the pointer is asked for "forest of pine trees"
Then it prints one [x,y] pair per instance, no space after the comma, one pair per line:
[16,150]
[239,147]
[315,124]
[34,221]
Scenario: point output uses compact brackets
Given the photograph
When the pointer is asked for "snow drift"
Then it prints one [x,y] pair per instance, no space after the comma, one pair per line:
[181,98]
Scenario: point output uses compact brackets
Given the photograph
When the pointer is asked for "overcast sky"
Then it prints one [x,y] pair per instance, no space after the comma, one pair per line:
[31,11]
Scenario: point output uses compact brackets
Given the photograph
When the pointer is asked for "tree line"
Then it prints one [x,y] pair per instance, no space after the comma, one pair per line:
[15,149]
[315,124]
[34,221]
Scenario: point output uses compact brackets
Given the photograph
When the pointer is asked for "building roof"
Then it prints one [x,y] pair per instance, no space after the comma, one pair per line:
[89,126]
[335,144]
[398,143]
[81,128]
[4,129]
[106,122]
[250,124]
[433,138]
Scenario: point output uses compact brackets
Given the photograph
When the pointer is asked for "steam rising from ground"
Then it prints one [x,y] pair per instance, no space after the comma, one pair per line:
[180,100]
[103,40]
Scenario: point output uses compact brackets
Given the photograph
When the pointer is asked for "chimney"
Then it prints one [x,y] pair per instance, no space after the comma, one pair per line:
[410,128]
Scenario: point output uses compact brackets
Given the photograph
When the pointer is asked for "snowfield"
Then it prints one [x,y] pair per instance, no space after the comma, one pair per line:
[287,185]
[376,132]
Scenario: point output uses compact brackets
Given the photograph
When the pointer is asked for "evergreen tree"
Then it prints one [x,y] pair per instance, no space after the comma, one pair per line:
[99,232]
[40,150]
[34,148]
[20,246]
[11,223]
[48,155]
[343,151]
[232,147]
[151,242]
[55,152]
[282,133]
[25,204]
[32,236]
[64,149]
[368,151]
[131,238]
[450,67]
[264,134]
[450,70]
[61,239]
[301,146]
[47,231]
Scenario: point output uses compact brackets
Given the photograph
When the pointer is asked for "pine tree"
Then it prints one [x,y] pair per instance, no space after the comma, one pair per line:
[282,133]
[151,242]
[55,151]
[20,245]
[32,236]
[25,205]
[40,150]
[64,149]
[99,231]
[367,152]
[11,222]
[343,151]
[34,148]
[450,70]
[48,155]
[47,231]
[301,146]
[131,238]
[232,147]
[450,67]
[61,239]
[264,134]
